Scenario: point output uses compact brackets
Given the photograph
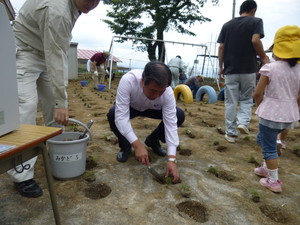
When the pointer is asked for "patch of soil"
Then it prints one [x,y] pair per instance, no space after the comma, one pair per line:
[222,174]
[112,139]
[221,148]
[90,163]
[194,210]
[186,152]
[89,176]
[208,123]
[201,138]
[274,213]
[190,133]
[226,176]
[167,180]
[185,191]
[297,153]
[222,198]
[97,114]
[221,130]
[95,148]
[97,191]
[254,161]
[254,195]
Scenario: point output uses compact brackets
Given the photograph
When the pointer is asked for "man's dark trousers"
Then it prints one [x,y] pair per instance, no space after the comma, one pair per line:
[158,133]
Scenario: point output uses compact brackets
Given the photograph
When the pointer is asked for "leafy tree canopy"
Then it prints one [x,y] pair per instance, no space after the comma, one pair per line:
[151,18]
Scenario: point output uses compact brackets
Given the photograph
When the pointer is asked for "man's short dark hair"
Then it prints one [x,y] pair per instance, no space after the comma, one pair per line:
[158,72]
[247,6]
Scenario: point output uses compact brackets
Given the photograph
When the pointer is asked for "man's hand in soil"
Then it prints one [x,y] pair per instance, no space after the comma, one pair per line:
[172,169]
[141,153]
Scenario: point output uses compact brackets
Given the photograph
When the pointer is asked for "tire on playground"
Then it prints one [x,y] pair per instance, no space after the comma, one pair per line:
[211,93]
[185,91]
[221,95]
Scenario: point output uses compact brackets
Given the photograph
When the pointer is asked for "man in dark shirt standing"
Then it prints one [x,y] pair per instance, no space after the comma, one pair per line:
[239,44]
[98,60]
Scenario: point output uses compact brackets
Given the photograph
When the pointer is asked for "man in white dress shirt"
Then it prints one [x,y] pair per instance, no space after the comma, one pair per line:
[147,93]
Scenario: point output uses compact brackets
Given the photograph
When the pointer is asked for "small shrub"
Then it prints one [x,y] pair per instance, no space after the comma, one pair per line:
[216,142]
[247,138]
[185,191]
[296,151]
[213,170]
[88,174]
[168,180]
[296,148]
[252,159]
[189,133]
[254,195]
[185,187]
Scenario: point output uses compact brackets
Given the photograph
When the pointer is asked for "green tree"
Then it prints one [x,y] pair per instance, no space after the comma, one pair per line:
[151,18]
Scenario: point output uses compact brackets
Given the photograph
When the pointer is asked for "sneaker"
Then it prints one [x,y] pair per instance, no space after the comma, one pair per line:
[275,187]
[243,129]
[261,171]
[123,154]
[29,188]
[230,139]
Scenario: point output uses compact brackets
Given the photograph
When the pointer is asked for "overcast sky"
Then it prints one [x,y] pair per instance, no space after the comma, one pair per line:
[91,33]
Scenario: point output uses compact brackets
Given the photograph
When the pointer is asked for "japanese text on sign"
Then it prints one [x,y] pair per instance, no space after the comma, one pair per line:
[67,158]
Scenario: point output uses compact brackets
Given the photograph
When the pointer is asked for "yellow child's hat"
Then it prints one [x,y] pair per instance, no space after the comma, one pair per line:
[286,43]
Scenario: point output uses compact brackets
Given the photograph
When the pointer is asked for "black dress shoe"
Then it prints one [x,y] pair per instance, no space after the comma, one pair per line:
[29,188]
[123,155]
[156,147]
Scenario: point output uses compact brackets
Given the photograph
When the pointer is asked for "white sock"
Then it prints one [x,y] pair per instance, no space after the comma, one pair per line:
[264,165]
[273,175]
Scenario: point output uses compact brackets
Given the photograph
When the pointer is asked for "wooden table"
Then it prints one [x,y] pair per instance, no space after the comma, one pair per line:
[29,141]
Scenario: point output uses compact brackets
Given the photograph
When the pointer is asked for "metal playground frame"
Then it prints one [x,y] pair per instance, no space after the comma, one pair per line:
[207,53]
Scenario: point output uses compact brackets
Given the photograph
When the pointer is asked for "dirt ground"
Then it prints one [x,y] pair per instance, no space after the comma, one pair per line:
[219,175]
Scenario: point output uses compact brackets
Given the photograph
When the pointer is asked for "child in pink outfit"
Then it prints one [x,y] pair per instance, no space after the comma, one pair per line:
[276,96]
[281,138]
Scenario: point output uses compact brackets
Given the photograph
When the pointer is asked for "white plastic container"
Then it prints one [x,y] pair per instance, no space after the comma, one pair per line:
[68,153]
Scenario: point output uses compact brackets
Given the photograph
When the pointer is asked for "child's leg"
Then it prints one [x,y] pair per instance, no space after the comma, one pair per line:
[267,140]
[282,137]
[268,137]
[283,134]
[281,144]
[272,166]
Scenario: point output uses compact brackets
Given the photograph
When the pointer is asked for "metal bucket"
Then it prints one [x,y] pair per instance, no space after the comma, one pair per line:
[68,153]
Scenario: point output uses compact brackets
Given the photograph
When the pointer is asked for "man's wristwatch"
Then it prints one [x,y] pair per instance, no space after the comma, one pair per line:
[172,160]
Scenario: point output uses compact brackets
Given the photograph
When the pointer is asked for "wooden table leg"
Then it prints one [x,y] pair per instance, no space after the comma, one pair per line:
[50,183]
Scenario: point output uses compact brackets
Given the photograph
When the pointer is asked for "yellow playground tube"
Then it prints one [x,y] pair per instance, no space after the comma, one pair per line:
[185,91]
